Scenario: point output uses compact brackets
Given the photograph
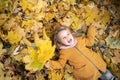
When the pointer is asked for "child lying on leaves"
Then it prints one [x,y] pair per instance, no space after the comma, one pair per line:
[87,65]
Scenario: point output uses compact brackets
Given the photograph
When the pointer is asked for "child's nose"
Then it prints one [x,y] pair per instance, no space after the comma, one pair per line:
[68,37]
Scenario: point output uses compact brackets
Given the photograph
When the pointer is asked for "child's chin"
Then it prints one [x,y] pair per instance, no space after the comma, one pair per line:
[71,44]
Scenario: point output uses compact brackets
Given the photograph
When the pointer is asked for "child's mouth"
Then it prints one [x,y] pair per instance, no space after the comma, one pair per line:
[70,41]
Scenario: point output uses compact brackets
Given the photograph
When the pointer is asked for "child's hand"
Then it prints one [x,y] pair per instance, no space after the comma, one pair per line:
[95,25]
[47,65]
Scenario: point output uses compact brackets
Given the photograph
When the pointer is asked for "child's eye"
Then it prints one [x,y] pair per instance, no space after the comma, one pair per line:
[68,34]
[64,37]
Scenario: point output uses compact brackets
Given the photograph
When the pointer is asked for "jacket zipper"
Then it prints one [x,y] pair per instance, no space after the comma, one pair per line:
[88,59]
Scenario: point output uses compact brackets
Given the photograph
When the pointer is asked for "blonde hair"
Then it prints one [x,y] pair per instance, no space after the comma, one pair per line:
[55,35]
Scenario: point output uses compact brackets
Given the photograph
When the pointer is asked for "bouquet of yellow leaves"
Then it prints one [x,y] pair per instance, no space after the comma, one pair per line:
[38,56]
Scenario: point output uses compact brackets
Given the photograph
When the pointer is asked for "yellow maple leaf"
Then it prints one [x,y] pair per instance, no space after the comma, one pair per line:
[40,6]
[45,49]
[76,22]
[45,35]
[13,37]
[2,5]
[91,19]
[49,16]
[26,4]
[67,21]
[27,23]
[3,18]
[105,17]
[55,74]
[39,55]
[70,1]
[91,13]
[39,16]
[53,8]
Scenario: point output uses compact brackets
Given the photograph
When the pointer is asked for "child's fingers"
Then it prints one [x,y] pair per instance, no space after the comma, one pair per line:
[95,25]
[47,65]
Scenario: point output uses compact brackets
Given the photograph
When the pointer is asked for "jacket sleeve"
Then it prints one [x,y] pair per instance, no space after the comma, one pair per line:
[89,41]
[59,63]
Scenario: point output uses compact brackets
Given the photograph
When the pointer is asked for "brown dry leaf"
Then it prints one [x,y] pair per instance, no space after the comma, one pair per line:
[68,68]
[40,76]
[2,51]
[61,9]
[19,53]
[1,34]
[115,33]
[115,69]
[24,51]
[72,2]
[39,16]
[107,60]
[116,58]
[1,71]
[9,24]
[105,16]
[3,18]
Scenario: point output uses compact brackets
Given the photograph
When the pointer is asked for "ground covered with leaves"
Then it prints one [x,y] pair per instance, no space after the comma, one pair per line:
[26,28]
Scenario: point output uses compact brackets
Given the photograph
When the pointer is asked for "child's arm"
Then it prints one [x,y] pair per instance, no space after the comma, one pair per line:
[59,64]
[91,35]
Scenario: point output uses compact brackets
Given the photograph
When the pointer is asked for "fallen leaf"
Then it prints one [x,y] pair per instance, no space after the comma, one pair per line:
[13,37]
[37,57]
[55,74]
[116,58]
[49,16]
[26,4]
[113,42]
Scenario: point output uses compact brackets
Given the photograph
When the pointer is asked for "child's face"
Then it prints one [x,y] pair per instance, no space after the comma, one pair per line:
[65,37]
